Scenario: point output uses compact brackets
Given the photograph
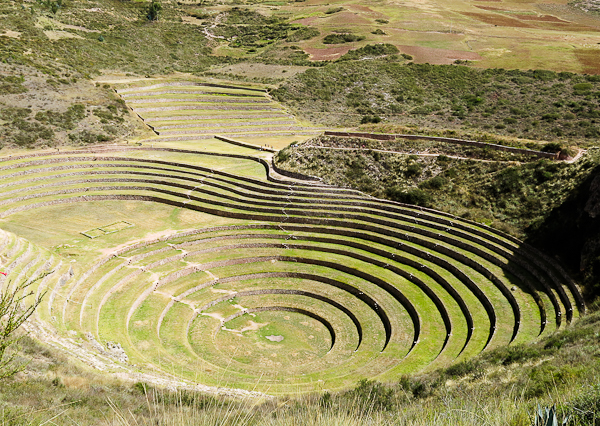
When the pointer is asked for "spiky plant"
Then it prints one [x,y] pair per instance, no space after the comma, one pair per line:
[547,417]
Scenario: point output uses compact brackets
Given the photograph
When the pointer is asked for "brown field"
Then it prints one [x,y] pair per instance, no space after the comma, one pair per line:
[346,18]
[430,55]
[330,53]
[545,18]
[589,59]
[498,20]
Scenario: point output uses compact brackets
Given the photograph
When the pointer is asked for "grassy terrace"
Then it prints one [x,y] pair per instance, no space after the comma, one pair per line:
[232,277]
[188,111]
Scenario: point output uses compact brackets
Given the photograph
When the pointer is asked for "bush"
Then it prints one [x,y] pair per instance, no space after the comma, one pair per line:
[370,119]
[461,369]
[341,38]
[551,117]
[436,182]
[283,155]
[552,147]
[154,9]
[508,180]
[333,10]
[303,33]
[414,196]
[373,396]
[512,354]
[582,87]
[370,50]
[413,170]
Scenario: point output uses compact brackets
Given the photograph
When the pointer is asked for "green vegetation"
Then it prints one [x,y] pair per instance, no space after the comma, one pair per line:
[333,10]
[129,45]
[14,311]
[154,9]
[11,84]
[511,197]
[341,38]
[529,104]
[329,289]
[487,389]
[370,51]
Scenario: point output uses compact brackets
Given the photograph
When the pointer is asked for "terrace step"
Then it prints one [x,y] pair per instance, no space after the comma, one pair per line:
[392,288]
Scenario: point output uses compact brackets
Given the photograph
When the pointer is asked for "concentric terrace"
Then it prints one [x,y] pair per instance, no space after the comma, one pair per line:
[247,280]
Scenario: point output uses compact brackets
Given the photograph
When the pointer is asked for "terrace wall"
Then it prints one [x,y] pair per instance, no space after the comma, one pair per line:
[391,137]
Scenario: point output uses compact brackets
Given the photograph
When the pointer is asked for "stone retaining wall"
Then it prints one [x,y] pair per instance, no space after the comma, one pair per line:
[391,137]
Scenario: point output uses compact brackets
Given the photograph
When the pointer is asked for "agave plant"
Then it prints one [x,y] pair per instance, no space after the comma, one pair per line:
[547,417]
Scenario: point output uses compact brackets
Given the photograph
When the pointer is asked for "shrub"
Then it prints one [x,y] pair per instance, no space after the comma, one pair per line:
[512,354]
[381,49]
[552,147]
[370,119]
[303,33]
[333,10]
[508,180]
[12,113]
[413,170]
[551,116]
[283,155]
[462,368]
[436,182]
[414,196]
[378,31]
[154,9]
[14,311]
[582,87]
[373,396]
[341,38]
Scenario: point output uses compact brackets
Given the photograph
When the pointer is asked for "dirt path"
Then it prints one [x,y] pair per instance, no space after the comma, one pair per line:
[577,157]
[421,154]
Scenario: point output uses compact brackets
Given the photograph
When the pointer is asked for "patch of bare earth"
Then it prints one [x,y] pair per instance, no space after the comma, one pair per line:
[543,18]
[589,59]
[347,18]
[497,20]
[431,55]
[11,34]
[305,21]
[260,70]
[327,54]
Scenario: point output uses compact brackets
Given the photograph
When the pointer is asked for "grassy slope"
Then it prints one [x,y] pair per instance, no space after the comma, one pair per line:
[48,60]
[503,387]
[519,198]
[528,104]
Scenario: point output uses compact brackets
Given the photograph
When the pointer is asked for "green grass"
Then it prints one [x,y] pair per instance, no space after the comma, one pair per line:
[366,263]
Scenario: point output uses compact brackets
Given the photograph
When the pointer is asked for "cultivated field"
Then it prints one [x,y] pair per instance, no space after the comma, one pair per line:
[506,34]
[209,268]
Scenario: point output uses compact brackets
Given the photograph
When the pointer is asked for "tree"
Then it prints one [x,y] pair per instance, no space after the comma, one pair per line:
[153,10]
[14,311]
